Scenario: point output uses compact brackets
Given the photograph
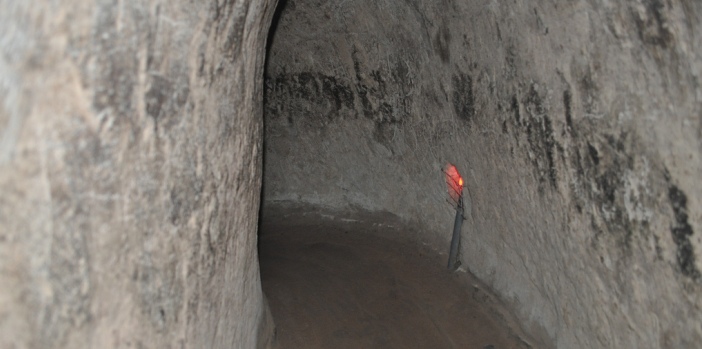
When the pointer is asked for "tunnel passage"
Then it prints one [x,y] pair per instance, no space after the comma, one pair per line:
[131,146]
[568,121]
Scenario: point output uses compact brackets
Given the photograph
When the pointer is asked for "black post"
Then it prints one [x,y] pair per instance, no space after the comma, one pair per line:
[456,239]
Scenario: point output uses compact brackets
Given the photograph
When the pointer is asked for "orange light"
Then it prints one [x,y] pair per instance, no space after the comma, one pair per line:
[454,181]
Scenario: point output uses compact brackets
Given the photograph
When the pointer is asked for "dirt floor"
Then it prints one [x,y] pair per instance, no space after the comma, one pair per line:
[335,283]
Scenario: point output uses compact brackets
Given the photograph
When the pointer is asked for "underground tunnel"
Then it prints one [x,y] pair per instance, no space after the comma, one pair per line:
[184,174]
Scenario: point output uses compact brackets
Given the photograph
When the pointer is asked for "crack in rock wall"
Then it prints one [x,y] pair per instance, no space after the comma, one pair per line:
[130,163]
[577,125]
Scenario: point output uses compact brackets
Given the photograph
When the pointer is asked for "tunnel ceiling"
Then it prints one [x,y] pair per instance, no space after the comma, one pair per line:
[576,124]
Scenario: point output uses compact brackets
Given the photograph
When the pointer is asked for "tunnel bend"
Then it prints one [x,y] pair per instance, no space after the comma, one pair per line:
[539,106]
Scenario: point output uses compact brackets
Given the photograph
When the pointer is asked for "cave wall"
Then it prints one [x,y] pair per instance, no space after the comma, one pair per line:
[577,126]
[130,163]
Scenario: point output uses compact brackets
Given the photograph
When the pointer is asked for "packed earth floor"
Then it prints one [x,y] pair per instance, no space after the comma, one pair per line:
[347,283]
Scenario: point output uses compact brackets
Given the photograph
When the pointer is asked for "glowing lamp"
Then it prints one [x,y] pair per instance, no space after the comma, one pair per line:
[454,182]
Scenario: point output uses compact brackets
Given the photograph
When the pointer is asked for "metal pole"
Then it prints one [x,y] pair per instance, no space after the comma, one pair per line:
[456,239]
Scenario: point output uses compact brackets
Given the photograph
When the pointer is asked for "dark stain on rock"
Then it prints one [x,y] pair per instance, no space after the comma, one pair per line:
[340,94]
[610,183]
[594,155]
[539,132]
[653,27]
[308,82]
[511,61]
[160,89]
[370,90]
[463,102]
[568,106]
[357,65]
[682,231]
[332,97]
[442,44]
[386,112]
[320,90]
[549,143]
[514,105]
[601,182]
[583,171]
[379,79]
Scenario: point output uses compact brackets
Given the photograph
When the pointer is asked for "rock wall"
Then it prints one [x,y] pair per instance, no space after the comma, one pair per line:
[577,125]
[130,162]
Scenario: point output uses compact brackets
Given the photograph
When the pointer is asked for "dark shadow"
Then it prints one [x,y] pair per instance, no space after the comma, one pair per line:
[282,4]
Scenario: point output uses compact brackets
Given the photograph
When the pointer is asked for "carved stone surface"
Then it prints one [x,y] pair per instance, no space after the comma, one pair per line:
[130,173]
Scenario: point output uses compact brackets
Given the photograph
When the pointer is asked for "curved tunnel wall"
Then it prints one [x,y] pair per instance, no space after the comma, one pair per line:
[130,173]
[576,124]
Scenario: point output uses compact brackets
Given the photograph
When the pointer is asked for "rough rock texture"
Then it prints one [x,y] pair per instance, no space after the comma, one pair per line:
[577,125]
[130,138]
